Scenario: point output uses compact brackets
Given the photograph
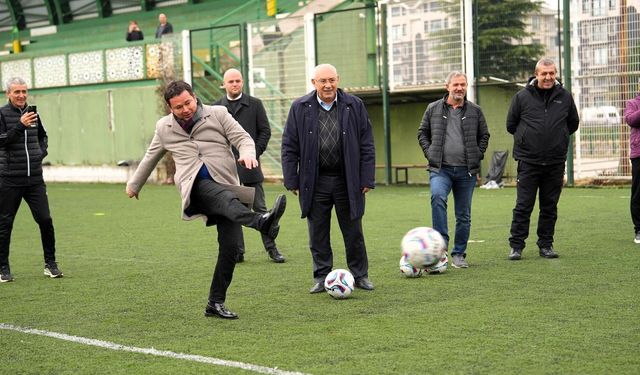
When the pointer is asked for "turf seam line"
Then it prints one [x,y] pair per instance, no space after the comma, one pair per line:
[150,351]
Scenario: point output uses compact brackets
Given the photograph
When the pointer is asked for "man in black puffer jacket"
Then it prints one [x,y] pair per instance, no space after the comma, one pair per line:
[453,135]
[541,118]
[23,145]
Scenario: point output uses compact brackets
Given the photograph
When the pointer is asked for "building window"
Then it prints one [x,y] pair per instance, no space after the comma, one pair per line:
[437,25]
[398,31]
[398,11]
[600,56]
[599,32]
[599,8]
[613,4]
[535,22]
[585,6]
[426,26]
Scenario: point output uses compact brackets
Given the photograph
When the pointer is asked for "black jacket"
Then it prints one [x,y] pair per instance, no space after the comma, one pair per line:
[541,128]
[21,149]
[252,116]
[135,35]
[433,130]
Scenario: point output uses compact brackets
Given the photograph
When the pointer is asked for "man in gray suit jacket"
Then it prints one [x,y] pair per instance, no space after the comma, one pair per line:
[251,115]
[200,139]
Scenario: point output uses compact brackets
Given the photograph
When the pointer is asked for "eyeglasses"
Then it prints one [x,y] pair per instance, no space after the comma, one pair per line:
[324,81]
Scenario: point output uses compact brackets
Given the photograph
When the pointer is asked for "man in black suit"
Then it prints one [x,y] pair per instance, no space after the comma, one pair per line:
[250,113]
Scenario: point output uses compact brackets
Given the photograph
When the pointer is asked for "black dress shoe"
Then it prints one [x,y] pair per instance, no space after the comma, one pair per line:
[275,256]
[364,283]
[548,252]
[239,258]
[317,288]
[515,254]
[220,311]
[270,225]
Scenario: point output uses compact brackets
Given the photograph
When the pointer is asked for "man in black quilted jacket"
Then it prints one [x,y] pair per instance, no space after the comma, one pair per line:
[453,135]
[542,117]
[23,145]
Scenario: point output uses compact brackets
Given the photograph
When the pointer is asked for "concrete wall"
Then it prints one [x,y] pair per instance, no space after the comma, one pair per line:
[97,125]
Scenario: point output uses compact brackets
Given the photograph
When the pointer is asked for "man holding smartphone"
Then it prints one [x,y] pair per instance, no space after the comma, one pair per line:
[23,145]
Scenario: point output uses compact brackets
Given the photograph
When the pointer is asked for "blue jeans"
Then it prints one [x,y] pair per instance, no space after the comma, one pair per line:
[462,183]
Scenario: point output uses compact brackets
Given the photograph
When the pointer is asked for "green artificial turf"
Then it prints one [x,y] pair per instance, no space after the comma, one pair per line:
[137,275]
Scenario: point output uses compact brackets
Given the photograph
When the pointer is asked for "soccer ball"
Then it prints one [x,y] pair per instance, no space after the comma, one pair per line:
[407,270]
[439,267]
[423,247]
[339,283]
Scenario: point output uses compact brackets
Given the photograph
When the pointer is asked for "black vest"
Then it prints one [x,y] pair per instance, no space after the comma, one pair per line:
[22,154]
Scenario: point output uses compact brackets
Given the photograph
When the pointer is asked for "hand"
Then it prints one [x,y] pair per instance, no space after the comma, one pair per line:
[365,190]
[294,191]
[28,118]
[132,193]
[248,162]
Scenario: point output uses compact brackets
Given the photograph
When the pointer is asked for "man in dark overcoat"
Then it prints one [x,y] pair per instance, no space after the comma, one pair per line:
[328,158]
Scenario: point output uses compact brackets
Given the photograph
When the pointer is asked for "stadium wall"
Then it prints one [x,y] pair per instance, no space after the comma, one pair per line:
[98,125]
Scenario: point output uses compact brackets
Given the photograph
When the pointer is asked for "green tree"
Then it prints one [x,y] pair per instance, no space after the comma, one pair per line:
[500,29]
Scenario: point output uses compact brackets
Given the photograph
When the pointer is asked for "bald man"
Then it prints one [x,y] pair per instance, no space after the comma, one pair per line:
[164,27]
[328,158]
[251,115]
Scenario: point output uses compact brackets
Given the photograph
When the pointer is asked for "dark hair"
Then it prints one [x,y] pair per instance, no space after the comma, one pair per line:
[176,88]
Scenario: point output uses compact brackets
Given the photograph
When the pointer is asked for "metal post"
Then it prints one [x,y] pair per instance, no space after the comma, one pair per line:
[186,57]
[566,43]
[309,48]
[384,72]
[248,78]
[468,60]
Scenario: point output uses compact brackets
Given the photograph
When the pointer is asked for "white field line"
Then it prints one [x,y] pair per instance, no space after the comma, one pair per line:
[151,351]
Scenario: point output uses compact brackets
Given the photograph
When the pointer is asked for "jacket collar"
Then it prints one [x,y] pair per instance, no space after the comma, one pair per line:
[244,100]
[343,98]
[16,109]
[445,104]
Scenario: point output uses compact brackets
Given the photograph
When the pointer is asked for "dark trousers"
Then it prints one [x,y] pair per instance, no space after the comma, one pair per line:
[546,181]
[36,198]
[635,193]
[331,191]
[259,206]
[216,202]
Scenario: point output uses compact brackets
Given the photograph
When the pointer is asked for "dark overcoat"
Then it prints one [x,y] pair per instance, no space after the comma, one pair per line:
[252,116]
[300,149]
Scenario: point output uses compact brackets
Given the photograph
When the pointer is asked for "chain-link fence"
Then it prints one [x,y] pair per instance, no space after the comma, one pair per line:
[426,39]
[277,77]
[425,43]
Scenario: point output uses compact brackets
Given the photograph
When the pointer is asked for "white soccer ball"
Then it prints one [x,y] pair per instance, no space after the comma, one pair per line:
[439,267]
[408,270]
[423,247]
[339,283]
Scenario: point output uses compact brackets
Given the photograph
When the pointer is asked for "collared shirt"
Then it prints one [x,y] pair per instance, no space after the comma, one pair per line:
[325,105]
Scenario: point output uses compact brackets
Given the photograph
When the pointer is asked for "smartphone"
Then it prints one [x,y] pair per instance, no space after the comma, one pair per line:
[34,109]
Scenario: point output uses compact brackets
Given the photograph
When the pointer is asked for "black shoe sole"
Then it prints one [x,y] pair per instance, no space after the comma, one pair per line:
[278,210]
